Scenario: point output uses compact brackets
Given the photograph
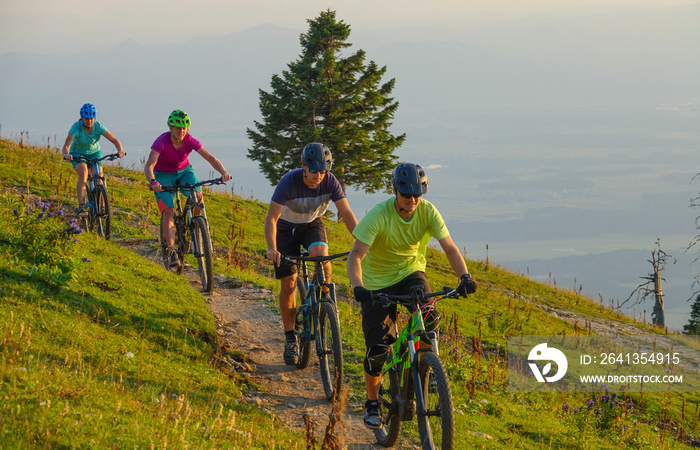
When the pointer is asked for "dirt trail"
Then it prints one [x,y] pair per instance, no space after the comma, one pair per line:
[248,322]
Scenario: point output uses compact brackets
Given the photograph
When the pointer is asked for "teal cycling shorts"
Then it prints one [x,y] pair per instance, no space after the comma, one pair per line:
[96,155]
[184,176]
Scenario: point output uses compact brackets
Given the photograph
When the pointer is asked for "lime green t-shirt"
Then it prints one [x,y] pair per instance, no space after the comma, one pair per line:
[397,248]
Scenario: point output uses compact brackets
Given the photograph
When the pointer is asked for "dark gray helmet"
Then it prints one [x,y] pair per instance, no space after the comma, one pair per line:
[317,156]
[410,179]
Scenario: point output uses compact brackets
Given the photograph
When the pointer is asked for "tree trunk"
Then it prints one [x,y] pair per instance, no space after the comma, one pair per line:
[657,315]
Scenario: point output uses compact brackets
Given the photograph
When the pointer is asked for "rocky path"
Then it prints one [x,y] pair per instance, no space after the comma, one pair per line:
[248,323]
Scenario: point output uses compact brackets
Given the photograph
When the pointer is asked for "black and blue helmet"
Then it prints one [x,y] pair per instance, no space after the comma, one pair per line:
[409,178]
[88,111]
[317,156]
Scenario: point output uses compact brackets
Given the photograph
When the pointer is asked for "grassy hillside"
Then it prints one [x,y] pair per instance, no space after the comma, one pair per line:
[102,348]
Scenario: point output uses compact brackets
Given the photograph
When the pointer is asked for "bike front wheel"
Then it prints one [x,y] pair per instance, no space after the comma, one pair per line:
[436,424]
[202,249]
[102,213]
[330,353]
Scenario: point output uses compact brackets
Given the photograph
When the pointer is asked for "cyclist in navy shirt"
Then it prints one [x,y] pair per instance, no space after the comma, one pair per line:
[295,219]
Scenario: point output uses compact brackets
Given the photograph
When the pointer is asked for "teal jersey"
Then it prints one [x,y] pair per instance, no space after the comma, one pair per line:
[397,248]
[83,143]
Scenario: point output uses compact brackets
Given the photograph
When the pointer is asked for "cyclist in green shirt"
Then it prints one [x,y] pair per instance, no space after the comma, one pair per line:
[389,256]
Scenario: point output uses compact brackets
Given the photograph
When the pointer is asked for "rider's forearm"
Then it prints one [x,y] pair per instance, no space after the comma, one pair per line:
[456,261]
[271,235]
[354,270]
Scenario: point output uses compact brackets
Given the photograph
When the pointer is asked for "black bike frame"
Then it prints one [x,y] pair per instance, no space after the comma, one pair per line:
[311,303]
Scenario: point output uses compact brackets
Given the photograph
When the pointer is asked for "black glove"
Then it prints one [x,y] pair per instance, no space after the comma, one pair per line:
[466,285]
[363,295]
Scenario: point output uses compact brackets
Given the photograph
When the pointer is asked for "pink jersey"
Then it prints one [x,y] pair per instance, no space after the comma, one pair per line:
[169,159]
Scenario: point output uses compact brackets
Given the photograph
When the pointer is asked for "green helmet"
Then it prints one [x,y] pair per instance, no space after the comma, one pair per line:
[179,118]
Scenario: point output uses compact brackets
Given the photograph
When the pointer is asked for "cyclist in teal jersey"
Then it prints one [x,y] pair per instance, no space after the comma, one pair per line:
[82,140]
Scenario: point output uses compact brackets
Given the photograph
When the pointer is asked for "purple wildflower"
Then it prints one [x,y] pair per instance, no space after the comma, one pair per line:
[60,212]
[599,411]
[566,407]
[16,211]
[86,260]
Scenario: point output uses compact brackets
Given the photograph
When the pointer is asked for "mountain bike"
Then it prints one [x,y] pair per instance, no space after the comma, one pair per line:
[414,380]
[191,232]
[317,321]
[99,211]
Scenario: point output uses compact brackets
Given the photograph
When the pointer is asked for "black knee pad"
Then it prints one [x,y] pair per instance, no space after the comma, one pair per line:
[375,359]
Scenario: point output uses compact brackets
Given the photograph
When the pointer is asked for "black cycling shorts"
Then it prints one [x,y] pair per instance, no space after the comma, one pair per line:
[291,237]
[379,323]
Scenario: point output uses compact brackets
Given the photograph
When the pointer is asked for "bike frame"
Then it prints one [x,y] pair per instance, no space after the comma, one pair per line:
[311,303]
[187,213]
[410,335]
[94,177]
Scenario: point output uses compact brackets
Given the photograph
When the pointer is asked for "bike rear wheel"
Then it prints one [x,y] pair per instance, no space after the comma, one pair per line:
[102,213]
[392,404]
[331,350]
[202,249]
[436,423]
[165,255]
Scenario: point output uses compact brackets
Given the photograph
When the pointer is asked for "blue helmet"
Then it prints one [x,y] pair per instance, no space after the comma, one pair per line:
[88,111]
[317,156]
[410,179]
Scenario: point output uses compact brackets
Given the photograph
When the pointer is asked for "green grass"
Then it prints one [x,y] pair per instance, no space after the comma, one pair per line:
[93,355]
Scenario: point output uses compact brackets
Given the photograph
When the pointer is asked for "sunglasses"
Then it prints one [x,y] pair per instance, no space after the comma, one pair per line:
[323,172]
[407,196]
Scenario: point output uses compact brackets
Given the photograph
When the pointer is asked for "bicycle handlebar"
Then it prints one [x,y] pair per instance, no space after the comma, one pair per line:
[85,159]
[175,187]
[297,259]
[415,296]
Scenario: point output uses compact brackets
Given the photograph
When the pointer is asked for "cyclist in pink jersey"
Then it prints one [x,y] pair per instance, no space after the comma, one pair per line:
[168,164]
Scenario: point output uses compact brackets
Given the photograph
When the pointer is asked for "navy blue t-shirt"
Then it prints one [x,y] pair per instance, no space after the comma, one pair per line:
[301,203]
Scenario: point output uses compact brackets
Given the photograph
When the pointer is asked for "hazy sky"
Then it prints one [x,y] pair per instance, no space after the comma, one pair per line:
[226,16]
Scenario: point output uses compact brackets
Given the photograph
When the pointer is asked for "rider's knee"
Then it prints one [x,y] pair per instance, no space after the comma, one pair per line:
[288,284]
[375,359]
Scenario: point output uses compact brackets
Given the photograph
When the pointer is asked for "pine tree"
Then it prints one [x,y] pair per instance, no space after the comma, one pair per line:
[693,325]
[338,101]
